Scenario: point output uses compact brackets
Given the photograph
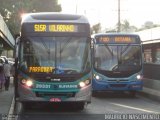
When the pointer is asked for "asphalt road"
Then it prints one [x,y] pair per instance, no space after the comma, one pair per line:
[102,105]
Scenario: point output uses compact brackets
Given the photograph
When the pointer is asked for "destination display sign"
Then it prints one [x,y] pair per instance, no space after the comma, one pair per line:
[55,28]
[117,39]
[41,69]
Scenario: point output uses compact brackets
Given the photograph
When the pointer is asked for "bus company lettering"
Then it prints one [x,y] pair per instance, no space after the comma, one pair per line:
[45,86]
[41,69]
[61,28]
[68,86]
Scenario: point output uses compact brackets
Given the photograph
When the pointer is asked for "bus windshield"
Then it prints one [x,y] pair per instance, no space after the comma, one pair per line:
[117,58]
[56,55]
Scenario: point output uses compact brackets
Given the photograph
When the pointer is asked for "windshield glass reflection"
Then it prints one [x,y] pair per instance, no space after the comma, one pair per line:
[60,55]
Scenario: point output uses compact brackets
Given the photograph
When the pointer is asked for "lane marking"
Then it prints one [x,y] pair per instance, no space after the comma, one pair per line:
[11,115]
[135,108]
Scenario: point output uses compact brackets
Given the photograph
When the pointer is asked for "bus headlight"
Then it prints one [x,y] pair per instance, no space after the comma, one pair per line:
[139,77]
[24,81]
[84,83]
[27,82]
[87,82]
[97,77]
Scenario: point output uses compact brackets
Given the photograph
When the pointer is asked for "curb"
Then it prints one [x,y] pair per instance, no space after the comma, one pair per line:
[11,115]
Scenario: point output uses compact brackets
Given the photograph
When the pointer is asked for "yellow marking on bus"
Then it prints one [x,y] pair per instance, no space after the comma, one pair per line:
[41,69]
[61,28]
[104,39]
[123,39]
[40,28]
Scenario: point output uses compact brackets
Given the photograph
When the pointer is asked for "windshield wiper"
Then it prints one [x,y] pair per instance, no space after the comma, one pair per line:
[47,49]
[70,71]
[64,46]
[128,45]
[66,71]
[110,51]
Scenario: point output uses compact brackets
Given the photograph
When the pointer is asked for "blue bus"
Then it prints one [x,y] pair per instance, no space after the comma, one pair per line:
[117,63]
[53,59]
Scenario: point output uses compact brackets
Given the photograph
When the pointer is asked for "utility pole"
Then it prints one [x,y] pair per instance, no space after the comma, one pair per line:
[119,15]
[76,6]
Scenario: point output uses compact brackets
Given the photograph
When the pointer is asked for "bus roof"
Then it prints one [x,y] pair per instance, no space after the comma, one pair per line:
[53,17]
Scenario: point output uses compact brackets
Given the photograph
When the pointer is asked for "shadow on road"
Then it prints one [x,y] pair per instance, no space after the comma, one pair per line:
[113,95]
[59,111]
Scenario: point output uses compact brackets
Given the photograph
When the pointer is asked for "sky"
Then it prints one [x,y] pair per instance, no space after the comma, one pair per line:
[137,12]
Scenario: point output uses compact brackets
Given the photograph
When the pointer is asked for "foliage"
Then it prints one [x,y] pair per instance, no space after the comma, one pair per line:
[96,28]
[11,10]
[148,25]
[126,27]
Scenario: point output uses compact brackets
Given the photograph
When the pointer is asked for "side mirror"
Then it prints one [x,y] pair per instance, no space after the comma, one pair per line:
[16,36]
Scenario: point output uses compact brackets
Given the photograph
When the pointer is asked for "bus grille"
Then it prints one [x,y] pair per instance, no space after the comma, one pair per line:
[118,80]
[43,94]
[117,85]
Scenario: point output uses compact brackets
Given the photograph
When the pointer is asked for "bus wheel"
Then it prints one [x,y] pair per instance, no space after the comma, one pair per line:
[26,106]
[1,85]
[132,93]
[79,106]
[94,93]
[16,95]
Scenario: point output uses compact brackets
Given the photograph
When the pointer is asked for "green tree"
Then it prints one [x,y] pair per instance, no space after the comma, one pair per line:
[148,25]
[46,6]
[11,10]
[96,28]
[126,27]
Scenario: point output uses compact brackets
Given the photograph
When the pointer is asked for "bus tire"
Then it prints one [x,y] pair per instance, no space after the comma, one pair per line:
[94,93]
[1,85]
[26,105]
[79,106]
[132,93]
[16,95]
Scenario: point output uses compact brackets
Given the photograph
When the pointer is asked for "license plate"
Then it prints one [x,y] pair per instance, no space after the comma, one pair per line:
[55,100]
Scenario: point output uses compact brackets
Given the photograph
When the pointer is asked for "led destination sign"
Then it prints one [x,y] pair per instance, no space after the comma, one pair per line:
[117,39]
[55,28]
[41,69]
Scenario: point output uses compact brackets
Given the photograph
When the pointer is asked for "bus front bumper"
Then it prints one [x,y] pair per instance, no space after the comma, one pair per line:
[117,86]
[28,95]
